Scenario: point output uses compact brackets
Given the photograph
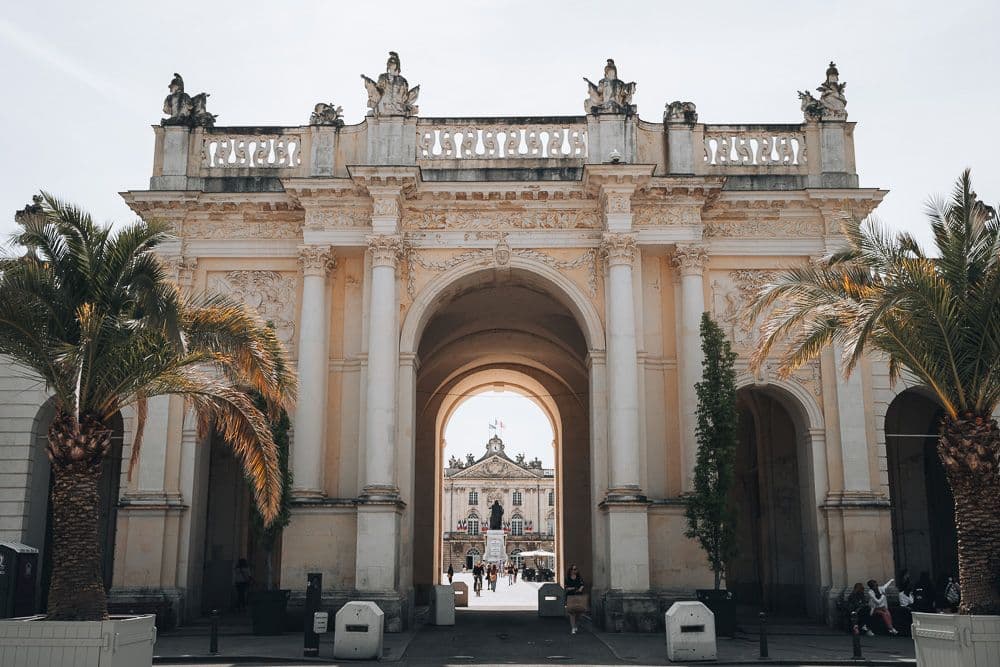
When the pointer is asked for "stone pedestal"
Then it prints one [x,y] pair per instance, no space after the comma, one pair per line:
[496,550]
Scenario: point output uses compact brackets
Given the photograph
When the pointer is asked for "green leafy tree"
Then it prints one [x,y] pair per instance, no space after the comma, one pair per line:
[710,516]
[934,316]
[94,314]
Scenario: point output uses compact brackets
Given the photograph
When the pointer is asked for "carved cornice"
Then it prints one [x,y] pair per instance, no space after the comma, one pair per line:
[690,259]
[386,250]
[618,248]
[316,260]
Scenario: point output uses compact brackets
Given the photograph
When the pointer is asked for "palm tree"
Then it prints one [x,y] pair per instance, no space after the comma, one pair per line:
[94,314]
[935,317]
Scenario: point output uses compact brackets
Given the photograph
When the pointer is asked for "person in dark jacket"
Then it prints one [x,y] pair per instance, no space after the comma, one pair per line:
[858,601]
[576,600]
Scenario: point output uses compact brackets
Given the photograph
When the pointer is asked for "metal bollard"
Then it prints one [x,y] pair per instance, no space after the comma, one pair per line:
[856,634]
[314,599]
[763,635]
[213,633]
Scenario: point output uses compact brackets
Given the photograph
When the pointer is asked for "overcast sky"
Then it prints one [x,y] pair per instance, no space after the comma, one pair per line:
[83,81]
[526,429]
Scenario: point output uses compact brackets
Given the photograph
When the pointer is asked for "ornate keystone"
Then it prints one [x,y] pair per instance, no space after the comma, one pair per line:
[690,259]
[316,260]
[386,250]
[618,248]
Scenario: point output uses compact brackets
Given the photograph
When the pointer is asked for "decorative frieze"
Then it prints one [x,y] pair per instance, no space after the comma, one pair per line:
[241,151]
[316,260]
[618,248]
[763,228]
[241,228]
[574,218]
[270,293]
[690,259]
[749,147]
[665,216]
[500,142]
[335,218]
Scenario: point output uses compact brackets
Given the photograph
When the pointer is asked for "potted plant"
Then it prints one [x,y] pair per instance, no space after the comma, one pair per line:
[936,317]
[710,517]
[94,314]
[268,606]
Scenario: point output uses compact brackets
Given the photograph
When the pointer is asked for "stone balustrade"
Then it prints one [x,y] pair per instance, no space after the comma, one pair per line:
[807,152]
[474,139]
[749,149]
[222,149]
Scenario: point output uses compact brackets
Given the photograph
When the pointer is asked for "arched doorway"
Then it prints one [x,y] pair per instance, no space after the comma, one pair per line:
[487,322]
[923,520]
[38,531]
[772,499]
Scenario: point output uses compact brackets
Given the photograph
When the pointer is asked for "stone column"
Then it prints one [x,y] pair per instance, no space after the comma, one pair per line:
[383,367]
[623,371]
[310,410]
[690,261]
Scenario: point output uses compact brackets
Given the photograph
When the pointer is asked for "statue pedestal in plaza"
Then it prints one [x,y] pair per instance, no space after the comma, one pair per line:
[496,550]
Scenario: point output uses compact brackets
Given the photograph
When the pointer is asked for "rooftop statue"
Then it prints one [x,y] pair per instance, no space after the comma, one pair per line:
[610,94]
[680,112]
[391,94]
[327,114]
[182,109]
[832,103]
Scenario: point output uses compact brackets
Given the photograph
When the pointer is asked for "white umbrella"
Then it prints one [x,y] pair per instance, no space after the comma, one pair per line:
[539,553]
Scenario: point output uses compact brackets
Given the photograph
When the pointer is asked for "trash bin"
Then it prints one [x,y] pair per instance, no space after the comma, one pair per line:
[461,593]
[551,600]
[18,574]
[358,632]
[723,607]
[442,605]
[690,632]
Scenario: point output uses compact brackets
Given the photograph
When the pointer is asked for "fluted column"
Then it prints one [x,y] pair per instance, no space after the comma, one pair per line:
[383,363]
[623,370]
[307,451]
[690,261]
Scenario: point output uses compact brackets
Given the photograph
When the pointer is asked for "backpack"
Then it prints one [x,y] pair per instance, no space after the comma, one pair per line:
[951,593]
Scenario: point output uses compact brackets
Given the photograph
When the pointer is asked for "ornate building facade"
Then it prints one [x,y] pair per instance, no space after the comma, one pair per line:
[525,490]
[408,262]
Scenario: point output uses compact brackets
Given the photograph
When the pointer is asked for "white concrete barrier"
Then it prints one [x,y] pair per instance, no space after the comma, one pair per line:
[461,593]
[551,600]
[690,632]
[442,605]
[358,629]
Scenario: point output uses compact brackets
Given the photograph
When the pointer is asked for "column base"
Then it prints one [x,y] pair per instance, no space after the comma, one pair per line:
[628,611]
[166,603]
[308,496]
[626,494]
[377,493]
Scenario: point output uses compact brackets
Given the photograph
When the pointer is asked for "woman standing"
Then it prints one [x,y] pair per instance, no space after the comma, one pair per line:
[576,599]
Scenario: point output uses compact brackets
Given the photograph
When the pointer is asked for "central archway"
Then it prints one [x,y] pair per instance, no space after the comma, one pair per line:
[527,326]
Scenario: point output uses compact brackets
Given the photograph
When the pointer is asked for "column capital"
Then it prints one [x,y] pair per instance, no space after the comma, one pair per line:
[386,249]
[316,260]
[618,248]
[690,259]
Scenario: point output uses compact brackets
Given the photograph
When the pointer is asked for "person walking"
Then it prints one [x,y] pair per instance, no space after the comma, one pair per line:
[879,603]
[857,601]
[493,577]
[576,598]
[242,578]
[451,573]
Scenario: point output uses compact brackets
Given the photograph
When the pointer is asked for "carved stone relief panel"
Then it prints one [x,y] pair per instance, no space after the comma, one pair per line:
[334,218]
[243,227]
[270,293]
[437,218]
[664,216]
[763,227]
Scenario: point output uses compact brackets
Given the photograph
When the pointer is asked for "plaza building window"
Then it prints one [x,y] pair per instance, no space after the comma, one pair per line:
[473,497]
[473,526]
[517,558]
[550,526]
[552,498]
[515,498]
[517,526]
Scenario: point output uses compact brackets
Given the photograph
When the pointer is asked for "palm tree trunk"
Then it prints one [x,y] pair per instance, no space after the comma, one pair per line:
[970,451]
[76,591]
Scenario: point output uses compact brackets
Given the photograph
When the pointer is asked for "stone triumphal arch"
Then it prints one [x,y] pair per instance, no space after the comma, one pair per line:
[404,258]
